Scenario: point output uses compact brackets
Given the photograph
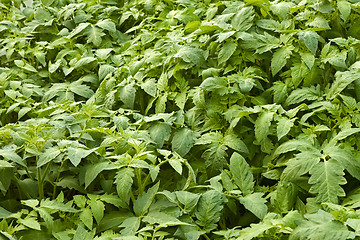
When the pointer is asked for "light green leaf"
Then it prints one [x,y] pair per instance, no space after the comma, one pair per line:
[344,9]
[78,29]
[86,217]
[262,125]
[321,225]
[83,61]
[284,126]
[188,199]
[192,55]
[107,24]
[255,203]
[310,38]
[48,155]
[326,178]
[97,208]
[127,95]
[233,141]
[143,202]
[149,86]
[11,155]
[176,165]
[4,213]
[240,170]
[6,175]
[163,219]
[300,165]
[94,35]
[104,70]
[94,170]
[30,223]
[130,225]
[182,141]
[160,132]
[243,19]
[82,234]
[342,80]
[279,59]
[301,94]
[308,58]
[76,154]
[208,210]
[124,181]
[227,51]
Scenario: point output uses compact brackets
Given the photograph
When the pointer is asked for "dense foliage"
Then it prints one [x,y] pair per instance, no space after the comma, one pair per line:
[179,119]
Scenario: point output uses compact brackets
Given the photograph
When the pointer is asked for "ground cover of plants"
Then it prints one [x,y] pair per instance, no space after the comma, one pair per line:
[179,119]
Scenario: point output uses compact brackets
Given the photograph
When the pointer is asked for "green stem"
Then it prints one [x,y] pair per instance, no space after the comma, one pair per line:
[138,176]
[57,179]
[40,185]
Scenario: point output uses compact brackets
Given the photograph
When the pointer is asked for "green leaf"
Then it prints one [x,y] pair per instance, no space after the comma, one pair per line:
[127,95]
[300,165]
[6,175]
[326,178]
[130,225]
[94,170]
[11,155]
[104,70]
[4,213]
[192,55]
[163,219]
[182,141]
[240,170]
[97,208]
[82,234]
[30,223]
[344,9]
[149,86]
[278,61]
[187,199]
[94,35]
[301,94]
[83,61]
[227,51]
[233,141]
[310,38]
[255,203]
[160,132]
[208,210]
[124,181]
[342,80]
[262,126]
[78,29]
[243,19]
[107,24]
[48,155]
[308,58]
[284,126]
[321,225]
[143,202]
[86,217]
[76,154]
[216,84]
